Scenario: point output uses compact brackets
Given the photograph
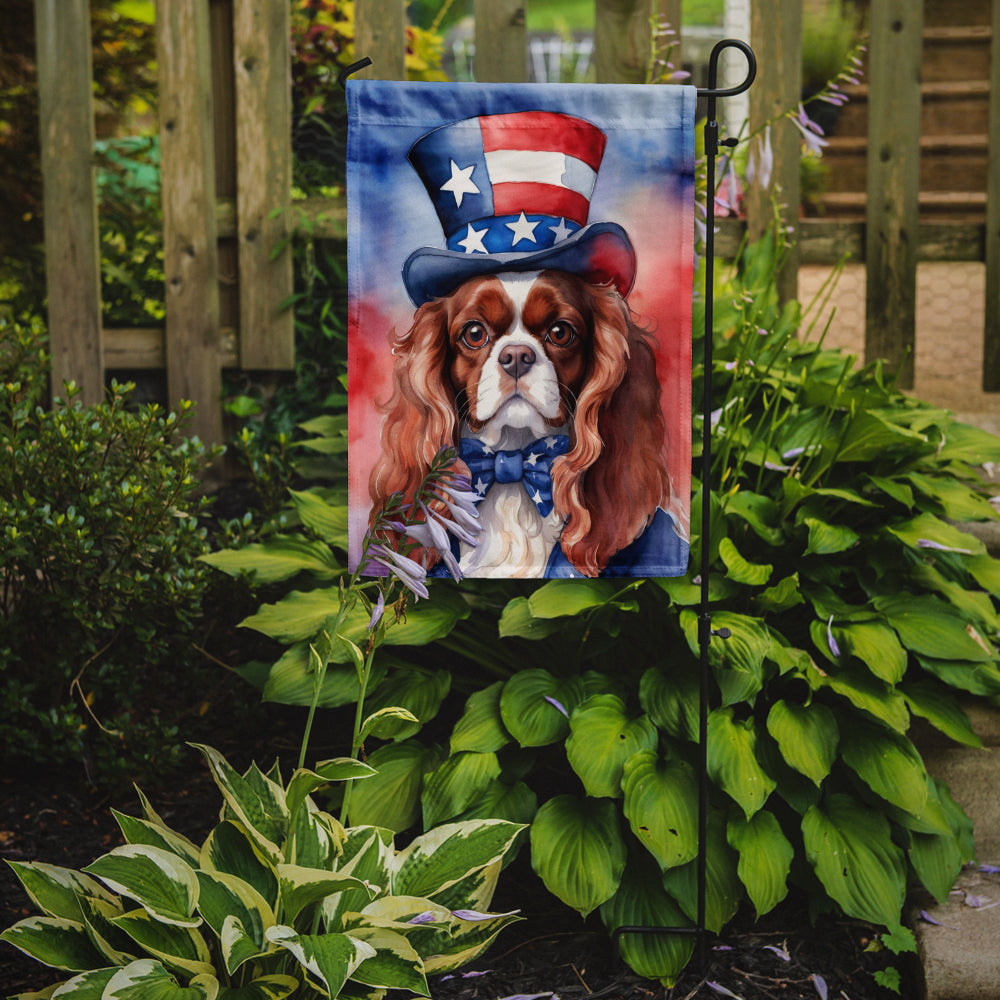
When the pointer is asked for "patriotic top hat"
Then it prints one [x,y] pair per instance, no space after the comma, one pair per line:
[512,193]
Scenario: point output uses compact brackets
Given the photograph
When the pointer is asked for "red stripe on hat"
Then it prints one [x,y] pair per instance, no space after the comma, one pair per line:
[545,131]
[540,199]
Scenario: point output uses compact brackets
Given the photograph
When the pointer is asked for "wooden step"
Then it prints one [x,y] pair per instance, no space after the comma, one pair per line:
[957,206]
[947,162]
[945,12]
[956,53]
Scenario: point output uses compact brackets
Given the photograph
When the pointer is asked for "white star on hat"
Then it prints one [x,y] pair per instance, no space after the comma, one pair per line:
[561,231]
[473,242]
[523,230]
[460,183]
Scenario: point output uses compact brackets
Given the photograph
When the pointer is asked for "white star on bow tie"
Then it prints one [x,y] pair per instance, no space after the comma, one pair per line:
[481,486]
[460,183]
[550,442]
[523,230]
[532,459]
[473,242]
[537,498]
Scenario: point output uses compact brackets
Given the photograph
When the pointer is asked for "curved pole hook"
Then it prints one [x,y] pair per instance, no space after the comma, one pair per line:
[713,69]
[353,68]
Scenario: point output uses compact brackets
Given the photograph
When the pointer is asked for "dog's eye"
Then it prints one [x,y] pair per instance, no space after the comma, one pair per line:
[475,335]
[561,334]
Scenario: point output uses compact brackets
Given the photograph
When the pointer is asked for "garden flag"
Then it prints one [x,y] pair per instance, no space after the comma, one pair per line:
[520,280]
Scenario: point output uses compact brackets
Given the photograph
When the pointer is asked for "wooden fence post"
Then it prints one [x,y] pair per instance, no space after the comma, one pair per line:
[262,61]
[776,35]
[991,332]
[380,34]
[622,40]
[501,41]
[72,255]
[892,214]
[190,251]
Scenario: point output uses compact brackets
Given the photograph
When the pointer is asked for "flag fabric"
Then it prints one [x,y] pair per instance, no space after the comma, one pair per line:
[520,264]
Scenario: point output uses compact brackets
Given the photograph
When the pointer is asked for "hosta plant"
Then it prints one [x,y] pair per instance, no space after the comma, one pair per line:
[279,900]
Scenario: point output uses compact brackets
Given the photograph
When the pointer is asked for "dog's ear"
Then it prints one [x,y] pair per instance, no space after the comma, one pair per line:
[615,476]
[420,416]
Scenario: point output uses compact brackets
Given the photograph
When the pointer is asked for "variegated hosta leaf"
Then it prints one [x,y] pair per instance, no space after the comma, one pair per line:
[225,897]
[367,853]
[765,858]
[481,727]
[86,986]
[395,964]
[723,889]
[850,847]
[274,987]
[535,706]
[328,959]
[300,887]
[602,737]
[141,831]
[54,941]
[304,782]
[315,838]
[661,805]
[56,891]
[147,979]
[456,784]
[256,801]
[468,939]
[578,851]
[177,947]
[642,902]
[807,736]
[230,849]
[732,760]
[475,891]
[441,857]
[116,947]
[158,880]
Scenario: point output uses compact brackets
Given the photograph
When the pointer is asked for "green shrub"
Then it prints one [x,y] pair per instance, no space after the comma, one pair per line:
[101,584]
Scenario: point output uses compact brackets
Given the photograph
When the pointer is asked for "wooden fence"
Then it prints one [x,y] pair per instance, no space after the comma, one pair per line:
[226,161]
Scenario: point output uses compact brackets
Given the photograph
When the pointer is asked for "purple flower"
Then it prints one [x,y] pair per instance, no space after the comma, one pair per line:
[834,648]
[411,573]
[927,543]
[427,917]
[719,988]
[811,132]
[558,705]
[780,952]
[377,612]
[475,915]
[761,163]
[820,983]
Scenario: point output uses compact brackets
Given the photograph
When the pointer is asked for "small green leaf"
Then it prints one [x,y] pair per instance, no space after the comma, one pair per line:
[391,798]
[932,628]
[738,569]
[732,760]
[481,727]
[936,704]
[578,851]
[535,706]
[807,736]
[456,784]
[828,539]
[279,558]
[562,598]
[765,858]
[888,763]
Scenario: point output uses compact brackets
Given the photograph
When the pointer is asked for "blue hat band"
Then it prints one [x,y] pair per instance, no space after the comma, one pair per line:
[511,234]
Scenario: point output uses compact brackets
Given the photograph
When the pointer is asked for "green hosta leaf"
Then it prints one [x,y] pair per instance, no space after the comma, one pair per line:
[986,572]
[327,520]
[54,941]
[738,569]
[807,736]
[226,898]
[850,847]
[578,851]
[481,728]
[965,443]
[275,987]
[671,700]
[292,681]
[957,501]
[828,539]
[937,860]
[732,760]
[602,738]
[230,849]
[561,598]
[517,620]
[418,691]
[395,964]
[56,891]
[975,605]
[931,628]
[758,511]
[147,979]
[888,763]
[641,901]
[260,809]
[304,782]
[738,661]
[279,558]
[723,889]
[180,948]
[391,798]
[928,528]
[530,706]
[141,831]
[516,803]
[159,881]
[976,678]
[765,858]
[783,595]
[894,489]
[387,723]
[661,799]
[870,436]
[301,887]
[330,959]
[876,646]
[865,692]
[941,709]
[438,859]
[456,784]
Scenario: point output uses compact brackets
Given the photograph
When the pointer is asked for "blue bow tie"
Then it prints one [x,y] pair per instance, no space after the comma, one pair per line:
[530,466]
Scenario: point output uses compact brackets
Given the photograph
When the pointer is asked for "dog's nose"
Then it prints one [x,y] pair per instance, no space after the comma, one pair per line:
[517,359]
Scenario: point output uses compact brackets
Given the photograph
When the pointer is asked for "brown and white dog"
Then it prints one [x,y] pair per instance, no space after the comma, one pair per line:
[520,357]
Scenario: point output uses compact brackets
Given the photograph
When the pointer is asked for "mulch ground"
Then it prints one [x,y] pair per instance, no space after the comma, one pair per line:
[551,952]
